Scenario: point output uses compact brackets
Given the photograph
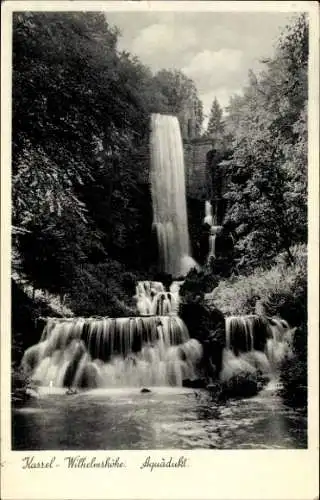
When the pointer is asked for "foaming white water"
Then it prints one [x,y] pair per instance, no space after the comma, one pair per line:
[239,325]
[210,219]
[245,337]
[188,263]
[212,247]
[153,299]
[169,196]
[249,362]
[113,352]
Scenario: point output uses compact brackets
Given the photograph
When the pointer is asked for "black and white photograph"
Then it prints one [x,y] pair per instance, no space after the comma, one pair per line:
[159,229]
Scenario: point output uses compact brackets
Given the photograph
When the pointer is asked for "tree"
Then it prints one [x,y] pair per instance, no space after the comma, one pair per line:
[179,92]
[80,119]
[54,120]
[268,190]
[215,126]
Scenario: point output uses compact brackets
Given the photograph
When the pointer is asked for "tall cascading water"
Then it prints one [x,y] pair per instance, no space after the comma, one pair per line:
[113,352]
[208,217]
[255,343]
[169,196]
[214,230]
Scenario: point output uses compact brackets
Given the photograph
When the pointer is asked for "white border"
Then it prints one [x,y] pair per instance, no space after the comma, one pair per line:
[287,475]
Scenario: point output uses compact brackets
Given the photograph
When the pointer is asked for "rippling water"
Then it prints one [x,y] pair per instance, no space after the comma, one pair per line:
[163,419]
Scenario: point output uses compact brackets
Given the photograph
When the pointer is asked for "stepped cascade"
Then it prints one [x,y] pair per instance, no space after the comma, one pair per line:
[169,196]
[113,352]
[148,350]
[255,343]
[153,299]
[214,230]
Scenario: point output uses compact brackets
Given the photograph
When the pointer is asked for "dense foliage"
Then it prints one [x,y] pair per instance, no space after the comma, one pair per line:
[280,291]
[267,198]
[180,92]
[268,169]
[80,121]
[294,371]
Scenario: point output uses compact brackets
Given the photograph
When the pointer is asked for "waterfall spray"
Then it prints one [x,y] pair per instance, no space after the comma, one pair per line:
[210,219]
[254,343]
[169,196]
[113,352]
[153,299]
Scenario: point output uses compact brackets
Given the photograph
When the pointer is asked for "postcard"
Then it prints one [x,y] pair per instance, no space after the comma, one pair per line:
[159,250]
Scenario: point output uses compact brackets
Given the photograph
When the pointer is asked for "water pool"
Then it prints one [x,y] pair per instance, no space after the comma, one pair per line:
[165,418]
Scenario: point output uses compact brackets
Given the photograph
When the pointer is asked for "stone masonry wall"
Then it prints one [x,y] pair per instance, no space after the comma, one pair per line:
[197,170]
[198,175]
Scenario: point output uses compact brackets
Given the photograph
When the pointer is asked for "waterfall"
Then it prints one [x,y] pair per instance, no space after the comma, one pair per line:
[153,299]
[212,242]
[169,196]
[255,343]
[214,230]
[153,349]
[208,218]
[113,352]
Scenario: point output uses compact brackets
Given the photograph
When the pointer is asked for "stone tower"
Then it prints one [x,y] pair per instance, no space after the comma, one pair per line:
[187,119]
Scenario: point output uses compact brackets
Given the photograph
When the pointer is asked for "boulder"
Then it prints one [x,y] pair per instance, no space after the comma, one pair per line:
[207,325]
[243,385]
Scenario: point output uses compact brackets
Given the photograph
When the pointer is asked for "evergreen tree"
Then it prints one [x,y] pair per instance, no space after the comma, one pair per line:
[215,126]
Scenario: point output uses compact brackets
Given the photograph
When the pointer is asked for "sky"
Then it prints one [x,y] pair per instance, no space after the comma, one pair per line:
[215,49]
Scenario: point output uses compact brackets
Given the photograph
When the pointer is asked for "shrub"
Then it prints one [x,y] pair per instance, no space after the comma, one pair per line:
[242,385]
[90,296]
[196,284]
[25,312]
[281,289]
[294,371]
[22,389]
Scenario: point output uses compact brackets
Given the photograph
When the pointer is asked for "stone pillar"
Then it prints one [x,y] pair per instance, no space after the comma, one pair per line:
[187,121]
